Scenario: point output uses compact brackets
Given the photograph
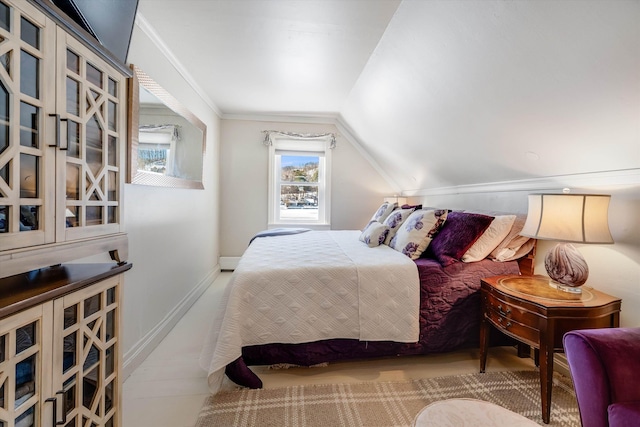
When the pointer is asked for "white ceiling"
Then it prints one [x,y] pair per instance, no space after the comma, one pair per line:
[438,92]
[272,56]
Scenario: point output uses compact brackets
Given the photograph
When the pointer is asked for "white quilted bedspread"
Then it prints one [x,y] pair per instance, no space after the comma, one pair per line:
[313,286]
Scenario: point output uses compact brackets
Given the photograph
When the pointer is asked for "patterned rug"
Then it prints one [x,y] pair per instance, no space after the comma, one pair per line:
[385,404]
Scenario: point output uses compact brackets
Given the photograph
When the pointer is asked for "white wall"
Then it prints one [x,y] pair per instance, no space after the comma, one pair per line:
[357,189]
[173,233]
[613,269]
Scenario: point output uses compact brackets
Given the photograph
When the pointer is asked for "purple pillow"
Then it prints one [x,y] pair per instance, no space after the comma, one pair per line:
[459,232]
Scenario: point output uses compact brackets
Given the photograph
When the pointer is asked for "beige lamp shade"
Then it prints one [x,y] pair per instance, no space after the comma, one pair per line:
[578,218]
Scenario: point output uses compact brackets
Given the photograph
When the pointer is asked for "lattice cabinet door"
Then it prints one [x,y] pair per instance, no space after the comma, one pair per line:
[86,362]
[27,95]
[92,101]
[25,368]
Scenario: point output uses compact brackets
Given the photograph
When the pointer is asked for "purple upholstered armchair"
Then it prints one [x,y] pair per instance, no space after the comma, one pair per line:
[604,366]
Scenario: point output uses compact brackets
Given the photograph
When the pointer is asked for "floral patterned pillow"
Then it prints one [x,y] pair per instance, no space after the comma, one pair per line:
[395,220]
[374,234]
[383,211]
[415,234]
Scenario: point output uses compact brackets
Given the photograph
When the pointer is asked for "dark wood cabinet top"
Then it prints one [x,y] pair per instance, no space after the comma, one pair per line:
[29,289]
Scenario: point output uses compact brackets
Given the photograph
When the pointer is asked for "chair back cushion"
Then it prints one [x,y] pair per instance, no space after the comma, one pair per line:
[604,364]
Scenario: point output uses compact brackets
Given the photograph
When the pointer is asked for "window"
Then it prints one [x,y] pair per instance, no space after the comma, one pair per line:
[156,148]
[299,181]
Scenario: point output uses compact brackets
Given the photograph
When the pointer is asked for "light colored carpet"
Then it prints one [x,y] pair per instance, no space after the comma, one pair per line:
[385,404]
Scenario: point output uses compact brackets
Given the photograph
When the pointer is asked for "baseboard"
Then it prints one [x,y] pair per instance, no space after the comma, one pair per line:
[229,262]
[141,350]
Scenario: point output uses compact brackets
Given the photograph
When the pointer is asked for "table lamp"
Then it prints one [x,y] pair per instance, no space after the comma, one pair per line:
[577,218]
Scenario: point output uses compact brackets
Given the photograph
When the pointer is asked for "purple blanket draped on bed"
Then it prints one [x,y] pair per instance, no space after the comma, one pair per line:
[449,320]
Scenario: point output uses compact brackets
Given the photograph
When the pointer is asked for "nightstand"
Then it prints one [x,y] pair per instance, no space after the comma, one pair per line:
[527,309]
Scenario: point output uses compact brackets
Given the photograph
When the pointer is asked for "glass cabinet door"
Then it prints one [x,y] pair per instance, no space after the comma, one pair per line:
[24,368]
[26,61]
[86,341]
[94,108]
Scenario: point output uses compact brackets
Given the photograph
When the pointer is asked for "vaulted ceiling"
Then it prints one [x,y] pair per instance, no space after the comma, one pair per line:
[438,92]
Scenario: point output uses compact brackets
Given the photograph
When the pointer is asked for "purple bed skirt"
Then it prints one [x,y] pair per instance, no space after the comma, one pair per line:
[449,320]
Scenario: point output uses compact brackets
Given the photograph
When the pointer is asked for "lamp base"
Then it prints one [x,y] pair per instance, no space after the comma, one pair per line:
[566,266]
[565,288]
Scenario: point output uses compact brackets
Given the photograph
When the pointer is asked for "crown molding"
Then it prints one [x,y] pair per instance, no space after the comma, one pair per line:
[318,118]
[624,177]
[144,25]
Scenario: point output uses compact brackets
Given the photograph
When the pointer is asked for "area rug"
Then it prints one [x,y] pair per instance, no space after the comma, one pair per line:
[385,404]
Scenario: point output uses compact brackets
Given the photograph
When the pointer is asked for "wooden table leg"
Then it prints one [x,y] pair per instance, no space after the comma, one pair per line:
[485,329]
[546,370]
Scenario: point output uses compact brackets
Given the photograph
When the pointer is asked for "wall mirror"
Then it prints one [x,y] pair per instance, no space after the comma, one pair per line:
[167,140]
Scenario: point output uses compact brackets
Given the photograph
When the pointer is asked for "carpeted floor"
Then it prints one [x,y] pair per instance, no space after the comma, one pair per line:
[385,404]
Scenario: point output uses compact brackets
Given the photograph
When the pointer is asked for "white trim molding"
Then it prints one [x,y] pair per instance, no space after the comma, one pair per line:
[153,35]
[141,350]
[558,182]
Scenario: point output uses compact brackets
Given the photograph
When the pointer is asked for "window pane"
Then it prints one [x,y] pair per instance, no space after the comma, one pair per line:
[94,75]
[73,62]
[29,218]
[94,215]
[299,168]
[28,125]
[113,186]
[27,418]
[5,60]
[299,202]
[71,215]
[4,176]
[5,17]
[29,33]
[4,118]
[113,87]
[92,305]
[25,337]
[28,176]
[73,97]
[73,132]
[69,352]
[94,145]
[73,181]
[4,219]
[112,115]
[112,158]
[25,382]
[29,74]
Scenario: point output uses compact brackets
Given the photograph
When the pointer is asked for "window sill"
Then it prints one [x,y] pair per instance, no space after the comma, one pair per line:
[313,226]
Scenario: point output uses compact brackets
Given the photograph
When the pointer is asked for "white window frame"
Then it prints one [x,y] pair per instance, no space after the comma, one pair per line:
[309,147]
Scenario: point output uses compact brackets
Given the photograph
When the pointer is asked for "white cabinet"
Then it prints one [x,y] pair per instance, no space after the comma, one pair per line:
[63,353]
[62,134]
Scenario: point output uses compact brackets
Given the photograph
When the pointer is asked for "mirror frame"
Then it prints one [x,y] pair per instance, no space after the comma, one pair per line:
[134,176]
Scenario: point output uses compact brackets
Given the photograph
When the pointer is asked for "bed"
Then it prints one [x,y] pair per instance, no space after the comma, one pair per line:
[313,297]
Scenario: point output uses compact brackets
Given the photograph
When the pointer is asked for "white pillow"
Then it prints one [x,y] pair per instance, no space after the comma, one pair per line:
[395,220]
[374,234]
[415,234]
[383,211]
[490,239]
[513,246]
